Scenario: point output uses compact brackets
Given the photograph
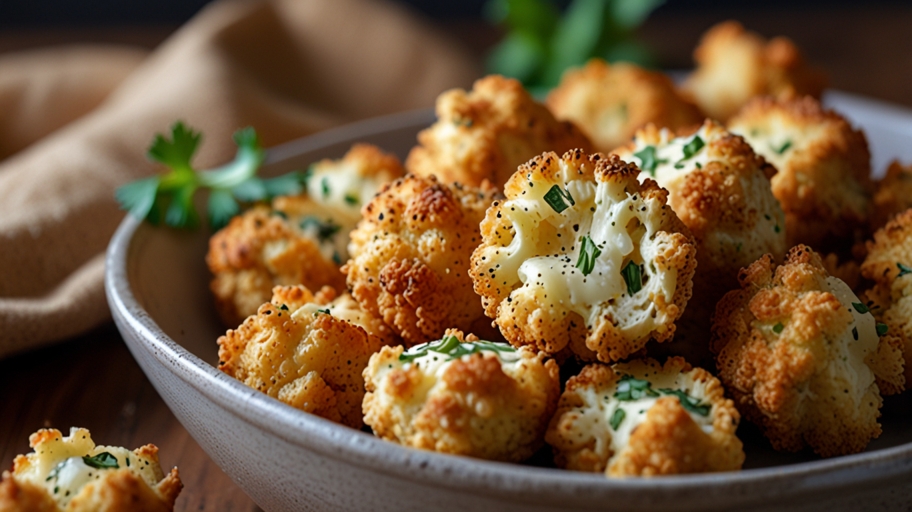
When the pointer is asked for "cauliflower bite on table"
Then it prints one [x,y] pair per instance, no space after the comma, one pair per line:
[486,133]
[824,165]
[889,266]
[800,352]
[581,254]
[301,239]
[734,65]
[410,257]
[645,419]
[609,102]
[72,474]
[307,351]
[892,196]
[462,396]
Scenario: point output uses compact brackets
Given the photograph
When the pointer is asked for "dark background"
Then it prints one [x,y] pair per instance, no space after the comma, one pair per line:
[82,13]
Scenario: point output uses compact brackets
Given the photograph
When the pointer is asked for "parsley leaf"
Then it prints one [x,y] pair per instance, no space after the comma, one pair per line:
[453,349]
[630,388]
[882,328]
[861,308]
[633,276]
[588,253]
[688,402]
[321,312]
[558,198]
[170,196]
[783,148]
[325,231]
[103,460]
[778,328]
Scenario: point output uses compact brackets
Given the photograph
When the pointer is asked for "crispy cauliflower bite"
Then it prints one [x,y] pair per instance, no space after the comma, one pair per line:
[720,189]
[72,474]
[307,351]
[488,132]
[734,65]
[301,240]
[581,254]
[889,266]
[629,419]
[799,353]
[609,102]
[893,195]
[823,183]
[462,396]
[410,256]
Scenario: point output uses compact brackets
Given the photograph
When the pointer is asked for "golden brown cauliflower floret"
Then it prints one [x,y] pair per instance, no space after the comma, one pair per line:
[889,266]
[823,182]
[307,351]
[463,396]
[581,254]
[301,240]
[893,195]
[799,353]
[486,133]
[609,102]
[410,256]
[734,65]
[645,419]
[72,474]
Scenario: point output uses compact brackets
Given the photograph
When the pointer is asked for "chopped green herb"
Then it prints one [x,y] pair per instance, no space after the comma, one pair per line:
[283,307]
[617,418]
[783,148]
[882,328]
[325,231]
[778,328]
[103,460]
[633,276]
[855,333]
[903,270]
[861,308]
[352,199]
[648,160]
[630,388]
[558,198]
[453,349]
[324,187]
[588,253]
[321,312]
[690,149]
[688,402]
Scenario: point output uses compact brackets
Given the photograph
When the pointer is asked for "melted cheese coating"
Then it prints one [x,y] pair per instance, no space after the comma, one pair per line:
[618,223]
[672,164]
[858,341]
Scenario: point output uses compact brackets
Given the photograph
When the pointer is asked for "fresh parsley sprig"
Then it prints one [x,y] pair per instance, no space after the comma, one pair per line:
[169,197]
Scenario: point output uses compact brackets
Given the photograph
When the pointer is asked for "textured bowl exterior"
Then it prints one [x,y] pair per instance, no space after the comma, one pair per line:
[287,460]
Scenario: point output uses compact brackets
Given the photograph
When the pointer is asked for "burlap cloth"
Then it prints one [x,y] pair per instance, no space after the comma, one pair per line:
[75,123]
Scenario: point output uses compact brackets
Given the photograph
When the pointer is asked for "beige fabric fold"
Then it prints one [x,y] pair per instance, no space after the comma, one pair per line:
[75,123]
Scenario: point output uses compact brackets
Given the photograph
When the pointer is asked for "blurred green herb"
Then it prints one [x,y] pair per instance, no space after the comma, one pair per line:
[541,41]
[169,197]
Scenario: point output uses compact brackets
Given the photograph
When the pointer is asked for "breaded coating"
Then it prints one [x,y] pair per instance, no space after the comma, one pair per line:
[307,351]
[300,240]
[609,102]
[892,195]
[823,183]
[645,419]
[889,266]
[581,254]
[486,133]
[734,65]
[720,189]
[799,353]
[410,256]
[463,396]
[72,474]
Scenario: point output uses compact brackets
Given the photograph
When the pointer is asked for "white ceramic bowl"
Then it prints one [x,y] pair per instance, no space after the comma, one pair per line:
[285,459]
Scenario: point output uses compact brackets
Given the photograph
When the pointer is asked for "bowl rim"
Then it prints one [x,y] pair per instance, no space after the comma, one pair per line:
[362,449]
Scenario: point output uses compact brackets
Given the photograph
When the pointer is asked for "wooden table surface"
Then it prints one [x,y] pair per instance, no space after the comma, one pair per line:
[93,382]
